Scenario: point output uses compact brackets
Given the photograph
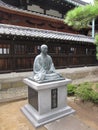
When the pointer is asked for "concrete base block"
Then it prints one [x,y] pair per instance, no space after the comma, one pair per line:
[37,120]
[46,101]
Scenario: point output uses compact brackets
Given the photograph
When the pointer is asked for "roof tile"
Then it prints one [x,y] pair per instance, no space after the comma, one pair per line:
[34,32]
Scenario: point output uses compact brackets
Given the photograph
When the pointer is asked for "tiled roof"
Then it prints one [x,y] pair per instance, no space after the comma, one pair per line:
[41,33]
[77,2]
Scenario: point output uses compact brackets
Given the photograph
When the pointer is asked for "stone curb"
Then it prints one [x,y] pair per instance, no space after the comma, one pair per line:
[17,98]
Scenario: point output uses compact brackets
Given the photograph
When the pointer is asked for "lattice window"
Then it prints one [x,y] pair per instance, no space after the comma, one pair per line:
[4,49]
[19,49]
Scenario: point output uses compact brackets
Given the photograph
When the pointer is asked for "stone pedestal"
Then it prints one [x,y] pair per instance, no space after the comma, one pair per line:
[46,101]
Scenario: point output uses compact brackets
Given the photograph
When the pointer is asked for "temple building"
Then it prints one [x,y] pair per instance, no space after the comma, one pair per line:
[27,24]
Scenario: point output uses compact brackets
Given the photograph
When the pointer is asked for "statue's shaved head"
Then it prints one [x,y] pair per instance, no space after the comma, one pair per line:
[44,46]
[44,49]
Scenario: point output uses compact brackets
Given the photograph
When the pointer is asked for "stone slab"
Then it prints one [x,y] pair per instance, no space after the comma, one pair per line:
[38,120]
[43,86]
[13,94]
[68,123]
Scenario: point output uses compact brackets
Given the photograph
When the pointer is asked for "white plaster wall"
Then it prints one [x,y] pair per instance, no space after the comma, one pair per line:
[54,13]
[35,8]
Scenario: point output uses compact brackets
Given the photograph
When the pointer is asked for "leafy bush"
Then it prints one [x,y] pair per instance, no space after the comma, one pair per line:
[97,86]
[71,89]
[94,97]
[84,91]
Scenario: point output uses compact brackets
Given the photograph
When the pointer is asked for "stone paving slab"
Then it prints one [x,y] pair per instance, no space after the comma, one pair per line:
[68,123]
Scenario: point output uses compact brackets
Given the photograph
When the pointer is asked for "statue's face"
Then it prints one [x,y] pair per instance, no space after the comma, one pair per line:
[44,49]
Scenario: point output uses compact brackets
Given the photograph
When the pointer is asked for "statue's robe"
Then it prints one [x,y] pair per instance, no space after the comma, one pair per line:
[43,68]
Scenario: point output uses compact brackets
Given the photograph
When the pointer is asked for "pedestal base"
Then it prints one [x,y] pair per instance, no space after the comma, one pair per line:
[38,120]
[46,102]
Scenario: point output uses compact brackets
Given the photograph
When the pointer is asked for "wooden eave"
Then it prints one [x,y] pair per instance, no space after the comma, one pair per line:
[30,14]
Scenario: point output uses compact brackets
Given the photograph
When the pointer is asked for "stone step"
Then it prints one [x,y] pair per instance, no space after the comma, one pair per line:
[78,75]
[13,94]
[68,123]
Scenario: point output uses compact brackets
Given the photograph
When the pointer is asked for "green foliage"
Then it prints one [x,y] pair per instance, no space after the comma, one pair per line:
[84,91]
[71,89]
[96,39]
[96,1]
[81,16]
[97,86]
[94,97]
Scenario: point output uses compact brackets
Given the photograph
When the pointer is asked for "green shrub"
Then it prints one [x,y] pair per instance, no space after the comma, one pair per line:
[97,86]
[84,91]
[94,97]
[71,89]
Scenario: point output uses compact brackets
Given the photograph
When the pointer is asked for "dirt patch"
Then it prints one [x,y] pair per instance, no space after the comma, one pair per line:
[11,118]
[86,111]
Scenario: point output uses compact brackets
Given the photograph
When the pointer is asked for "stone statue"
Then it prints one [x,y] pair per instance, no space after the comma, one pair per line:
[43,67]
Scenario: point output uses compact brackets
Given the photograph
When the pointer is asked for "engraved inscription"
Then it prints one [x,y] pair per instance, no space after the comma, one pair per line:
[33,98]
[54,98]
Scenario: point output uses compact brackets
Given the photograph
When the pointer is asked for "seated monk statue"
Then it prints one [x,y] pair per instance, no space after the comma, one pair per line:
[43,67]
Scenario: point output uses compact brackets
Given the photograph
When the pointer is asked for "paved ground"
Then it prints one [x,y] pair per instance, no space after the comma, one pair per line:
[11,118]
[68,123]
[86,111]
